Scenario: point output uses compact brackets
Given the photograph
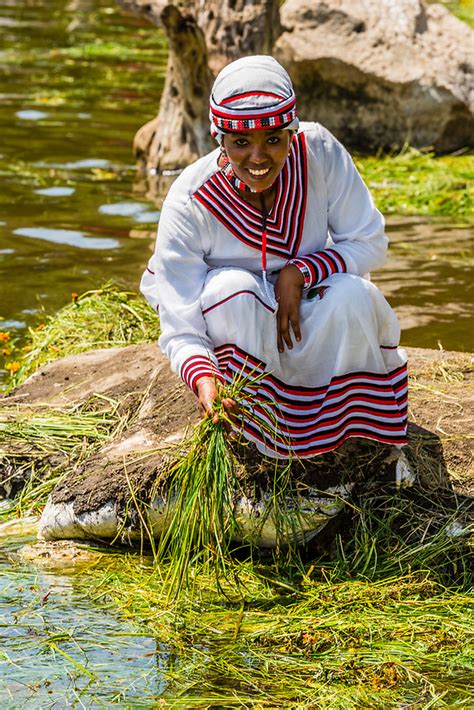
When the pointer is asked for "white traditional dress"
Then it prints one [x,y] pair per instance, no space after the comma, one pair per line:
[347,377]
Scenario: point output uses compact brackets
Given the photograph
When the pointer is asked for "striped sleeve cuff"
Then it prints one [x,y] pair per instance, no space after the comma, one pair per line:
[318,266]
[196,367]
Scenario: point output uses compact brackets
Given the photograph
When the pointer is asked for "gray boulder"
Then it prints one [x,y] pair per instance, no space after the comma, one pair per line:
[381,73]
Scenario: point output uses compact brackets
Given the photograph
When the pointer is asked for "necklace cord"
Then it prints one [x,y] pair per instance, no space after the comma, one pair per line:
[264,252]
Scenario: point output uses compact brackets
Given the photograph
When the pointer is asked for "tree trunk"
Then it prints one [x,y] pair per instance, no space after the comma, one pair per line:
[203,36]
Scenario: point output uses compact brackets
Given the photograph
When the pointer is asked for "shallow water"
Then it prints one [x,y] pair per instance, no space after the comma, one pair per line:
[59,649]
[77,79]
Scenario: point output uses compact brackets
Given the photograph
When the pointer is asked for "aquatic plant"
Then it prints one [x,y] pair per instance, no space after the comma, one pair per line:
[378,619]
[414,182]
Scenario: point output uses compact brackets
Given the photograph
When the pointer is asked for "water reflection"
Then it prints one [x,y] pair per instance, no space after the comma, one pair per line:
[56,191]
[123,209]
[58,646]
[428,279]
[67,236]
[31,115]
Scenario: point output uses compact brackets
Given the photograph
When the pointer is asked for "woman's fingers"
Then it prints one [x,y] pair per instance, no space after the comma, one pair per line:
[295,322]
[207,395]
[288,315]
[283,332]
[288,292]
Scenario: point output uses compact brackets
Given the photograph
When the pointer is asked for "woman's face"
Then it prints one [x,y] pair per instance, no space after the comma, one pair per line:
[258,157]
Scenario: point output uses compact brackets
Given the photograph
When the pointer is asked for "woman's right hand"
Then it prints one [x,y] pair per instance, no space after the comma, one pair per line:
[207,395]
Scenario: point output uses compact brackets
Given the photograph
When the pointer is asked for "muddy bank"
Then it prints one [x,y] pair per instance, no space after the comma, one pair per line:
[102,495]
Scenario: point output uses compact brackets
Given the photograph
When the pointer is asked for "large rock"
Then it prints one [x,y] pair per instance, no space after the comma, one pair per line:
[381,73]
[109,495]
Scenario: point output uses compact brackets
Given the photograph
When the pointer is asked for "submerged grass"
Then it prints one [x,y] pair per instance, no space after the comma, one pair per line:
[420,183]
[377,621]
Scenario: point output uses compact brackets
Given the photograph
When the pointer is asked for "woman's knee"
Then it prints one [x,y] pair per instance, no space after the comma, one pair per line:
[348,289]
[227,282]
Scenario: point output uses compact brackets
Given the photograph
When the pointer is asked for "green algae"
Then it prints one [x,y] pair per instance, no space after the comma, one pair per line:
[420,183]
[333,636]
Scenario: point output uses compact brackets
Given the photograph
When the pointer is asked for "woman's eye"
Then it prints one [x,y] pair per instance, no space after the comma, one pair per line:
[273,139]
[241,141]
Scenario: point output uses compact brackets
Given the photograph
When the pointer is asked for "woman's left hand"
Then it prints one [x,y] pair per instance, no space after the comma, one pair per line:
[288,293]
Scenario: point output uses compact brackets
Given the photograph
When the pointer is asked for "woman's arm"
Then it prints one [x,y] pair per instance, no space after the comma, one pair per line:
[355,226]
[175,279]
[354,223]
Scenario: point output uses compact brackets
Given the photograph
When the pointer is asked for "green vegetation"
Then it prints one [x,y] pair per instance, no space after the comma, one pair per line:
[39,446]
[378,617]
[105,318]
[202,485]
[416,183]
[464,9]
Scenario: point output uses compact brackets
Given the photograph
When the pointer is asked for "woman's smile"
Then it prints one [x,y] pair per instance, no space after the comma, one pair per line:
[258,173]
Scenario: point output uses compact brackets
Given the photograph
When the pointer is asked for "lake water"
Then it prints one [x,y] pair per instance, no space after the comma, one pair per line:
[60,649]
[78,78]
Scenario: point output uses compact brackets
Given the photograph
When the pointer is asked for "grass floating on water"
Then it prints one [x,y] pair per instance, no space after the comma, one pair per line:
[414,182]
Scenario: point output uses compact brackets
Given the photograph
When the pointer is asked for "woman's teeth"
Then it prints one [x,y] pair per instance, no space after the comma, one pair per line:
[257,173]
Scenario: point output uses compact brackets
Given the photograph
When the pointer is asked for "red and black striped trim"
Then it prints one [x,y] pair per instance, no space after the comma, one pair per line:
[252,118]
[318,266]
[306,421]
[285,221]
[198,366]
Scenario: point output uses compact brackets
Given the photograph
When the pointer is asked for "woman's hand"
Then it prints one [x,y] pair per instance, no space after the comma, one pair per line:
[207,395]
[288,293]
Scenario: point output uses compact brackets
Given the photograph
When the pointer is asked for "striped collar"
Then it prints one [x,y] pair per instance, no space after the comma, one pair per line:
[286,218]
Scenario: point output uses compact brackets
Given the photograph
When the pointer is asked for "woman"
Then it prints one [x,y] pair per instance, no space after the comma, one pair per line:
[259,270]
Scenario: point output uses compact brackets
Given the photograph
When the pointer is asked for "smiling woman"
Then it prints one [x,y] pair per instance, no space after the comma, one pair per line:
[259,273]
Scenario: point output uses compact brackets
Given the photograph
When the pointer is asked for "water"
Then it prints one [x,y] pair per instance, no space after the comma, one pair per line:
[428,279]
[77,79]
[59,649]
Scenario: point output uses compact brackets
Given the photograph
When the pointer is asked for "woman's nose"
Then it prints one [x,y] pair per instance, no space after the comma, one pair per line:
[258,153]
